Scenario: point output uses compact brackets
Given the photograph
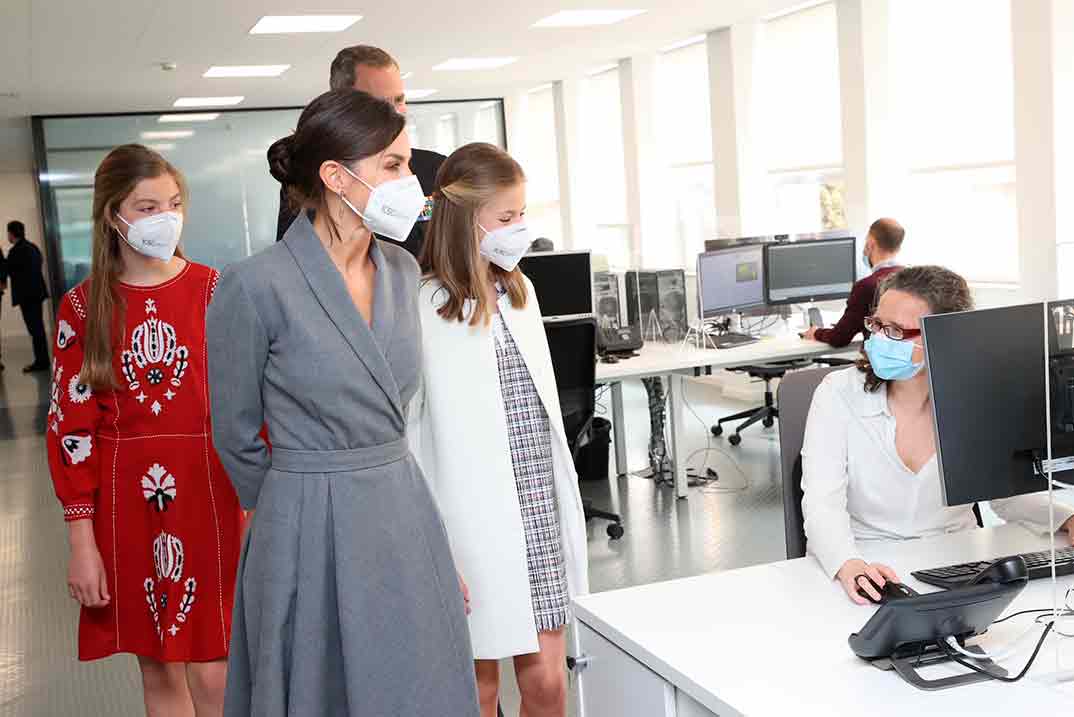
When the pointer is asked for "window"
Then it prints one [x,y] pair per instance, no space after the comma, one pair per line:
[953,95]
[539,156]
[447,133]
[604,170]
[799,122]
[684,128]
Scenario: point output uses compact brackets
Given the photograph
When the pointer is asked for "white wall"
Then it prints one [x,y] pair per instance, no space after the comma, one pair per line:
[18,200]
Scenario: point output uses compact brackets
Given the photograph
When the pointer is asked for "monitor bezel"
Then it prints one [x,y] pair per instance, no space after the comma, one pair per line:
[808,298]
[736,308]
[565,252]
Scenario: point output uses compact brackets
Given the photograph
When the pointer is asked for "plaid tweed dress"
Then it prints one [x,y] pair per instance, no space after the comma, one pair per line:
[530,437]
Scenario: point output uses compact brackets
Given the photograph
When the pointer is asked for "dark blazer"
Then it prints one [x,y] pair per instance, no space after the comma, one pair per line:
[423,163]
[861,303]
[23,270]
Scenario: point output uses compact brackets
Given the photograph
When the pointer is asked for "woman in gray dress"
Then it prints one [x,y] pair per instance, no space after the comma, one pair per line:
[348,601]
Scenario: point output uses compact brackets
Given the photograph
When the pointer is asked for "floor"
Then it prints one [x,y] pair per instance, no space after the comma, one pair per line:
[732,522]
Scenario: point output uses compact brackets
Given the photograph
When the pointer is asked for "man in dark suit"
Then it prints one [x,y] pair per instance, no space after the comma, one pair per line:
[28,290]
[881,246]
[374,71]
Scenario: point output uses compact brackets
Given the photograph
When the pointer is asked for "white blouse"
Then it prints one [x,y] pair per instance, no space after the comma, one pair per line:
[857,488]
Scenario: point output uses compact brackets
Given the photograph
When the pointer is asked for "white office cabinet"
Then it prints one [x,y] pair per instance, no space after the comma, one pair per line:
[614,684]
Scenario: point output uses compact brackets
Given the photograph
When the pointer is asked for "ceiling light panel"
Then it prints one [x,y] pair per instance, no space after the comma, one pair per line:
[217,71]
[190,117]
[208,101]
[458,64]
[586,18]
[288,24]
[171,134]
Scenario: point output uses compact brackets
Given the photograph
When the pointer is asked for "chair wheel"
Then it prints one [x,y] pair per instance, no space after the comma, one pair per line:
[615,531]
[734,439]
[768,422]
[717,430]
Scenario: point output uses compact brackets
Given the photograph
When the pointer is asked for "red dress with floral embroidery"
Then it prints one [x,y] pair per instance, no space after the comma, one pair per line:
[139,462]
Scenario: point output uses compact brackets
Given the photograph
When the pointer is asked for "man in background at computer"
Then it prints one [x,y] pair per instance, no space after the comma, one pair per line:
[375,72]
[881,247]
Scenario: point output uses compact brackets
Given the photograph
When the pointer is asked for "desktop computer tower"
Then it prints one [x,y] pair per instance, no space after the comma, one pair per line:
[657,300]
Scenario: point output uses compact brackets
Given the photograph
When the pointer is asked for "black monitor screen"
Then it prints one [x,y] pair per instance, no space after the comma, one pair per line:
[986,371]
[799,272]
[730,279]
[563,282]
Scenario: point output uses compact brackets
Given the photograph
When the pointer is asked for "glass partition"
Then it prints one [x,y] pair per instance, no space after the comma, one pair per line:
[234,200]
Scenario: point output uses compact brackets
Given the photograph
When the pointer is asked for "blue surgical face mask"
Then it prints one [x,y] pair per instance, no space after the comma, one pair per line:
[892,360]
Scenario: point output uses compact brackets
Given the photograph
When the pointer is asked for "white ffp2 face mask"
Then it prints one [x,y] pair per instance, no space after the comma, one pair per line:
[506,246]
[157,236]
[393,207]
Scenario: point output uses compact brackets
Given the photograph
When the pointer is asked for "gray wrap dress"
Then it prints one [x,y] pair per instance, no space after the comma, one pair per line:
[347,602]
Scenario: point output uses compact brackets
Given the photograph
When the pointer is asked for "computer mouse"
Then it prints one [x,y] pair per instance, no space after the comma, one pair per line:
[1003,571]
[890,591]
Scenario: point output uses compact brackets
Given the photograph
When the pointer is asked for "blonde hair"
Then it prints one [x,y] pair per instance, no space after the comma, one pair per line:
[117,176]
[468,180]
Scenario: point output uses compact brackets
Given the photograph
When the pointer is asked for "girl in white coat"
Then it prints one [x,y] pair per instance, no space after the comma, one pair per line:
[490,435]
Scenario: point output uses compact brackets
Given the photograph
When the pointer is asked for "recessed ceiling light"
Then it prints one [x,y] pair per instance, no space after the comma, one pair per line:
[695,40]
[586,18]
[246,70]
[406,75]
[190,117]
[208,101]
[162,147]
[603,68]
[419,94]
[474,63]
[174,134]
[285,24]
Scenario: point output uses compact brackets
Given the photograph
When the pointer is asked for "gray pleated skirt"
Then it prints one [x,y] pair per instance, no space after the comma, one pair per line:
[348,602]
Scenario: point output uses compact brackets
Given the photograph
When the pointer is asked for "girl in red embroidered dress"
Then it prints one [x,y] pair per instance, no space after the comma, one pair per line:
[154,522]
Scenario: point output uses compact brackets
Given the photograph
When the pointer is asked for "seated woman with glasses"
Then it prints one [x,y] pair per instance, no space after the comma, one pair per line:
[869,470]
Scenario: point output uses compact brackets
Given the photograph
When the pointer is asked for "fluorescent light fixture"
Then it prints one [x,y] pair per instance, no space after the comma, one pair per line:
[406,75]
[586,18]
[419,94]
[474,63]
[695,40]
[793,9]
[603,68]
[54,177]
[172,134]
[208,101]
[539,88]
[162,147]
[287,24]
[246,70]
[190,117]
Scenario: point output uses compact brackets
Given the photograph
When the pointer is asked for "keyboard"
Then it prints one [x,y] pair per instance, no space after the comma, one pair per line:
[728,341]
[1039,564]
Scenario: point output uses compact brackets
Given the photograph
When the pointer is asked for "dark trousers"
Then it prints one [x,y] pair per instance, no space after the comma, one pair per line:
[35,326]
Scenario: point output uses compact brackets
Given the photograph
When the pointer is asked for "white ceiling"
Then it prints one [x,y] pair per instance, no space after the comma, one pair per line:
[74,56]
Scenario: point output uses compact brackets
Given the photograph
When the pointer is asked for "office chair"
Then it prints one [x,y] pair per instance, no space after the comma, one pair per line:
[795,397]
[573,347]
[769,412]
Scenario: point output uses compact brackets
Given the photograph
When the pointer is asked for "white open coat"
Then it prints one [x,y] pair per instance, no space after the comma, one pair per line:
[458,432]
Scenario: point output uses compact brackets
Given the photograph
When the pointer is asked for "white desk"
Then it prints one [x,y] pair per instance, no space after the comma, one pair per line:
[772,640]
[676,361]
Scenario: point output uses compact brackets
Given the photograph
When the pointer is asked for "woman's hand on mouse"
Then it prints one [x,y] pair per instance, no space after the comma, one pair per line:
[879,574]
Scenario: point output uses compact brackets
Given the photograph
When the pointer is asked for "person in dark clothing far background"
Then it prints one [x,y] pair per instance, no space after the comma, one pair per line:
[28,290]
[375,72]
[881,246]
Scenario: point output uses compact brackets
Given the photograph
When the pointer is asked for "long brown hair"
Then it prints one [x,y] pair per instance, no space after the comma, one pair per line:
[943,290]
[341,126]
[117,176]
[468,180]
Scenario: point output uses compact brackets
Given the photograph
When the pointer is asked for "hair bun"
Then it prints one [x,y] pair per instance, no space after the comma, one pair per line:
[279,160]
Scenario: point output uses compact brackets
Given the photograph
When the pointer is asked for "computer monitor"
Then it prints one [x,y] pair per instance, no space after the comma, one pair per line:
[563,281]
[815,270]
[730,280]
[987,381]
